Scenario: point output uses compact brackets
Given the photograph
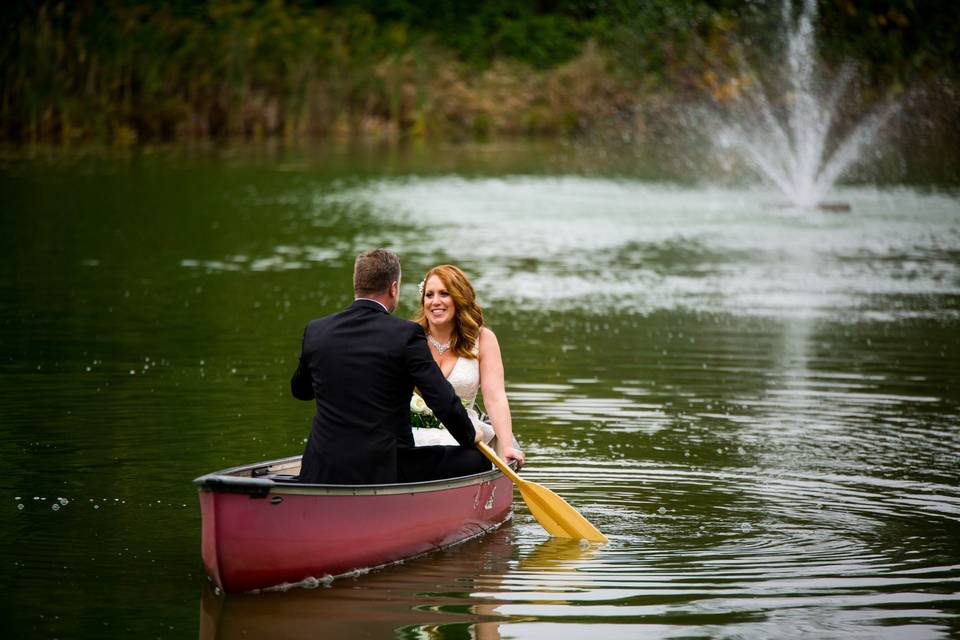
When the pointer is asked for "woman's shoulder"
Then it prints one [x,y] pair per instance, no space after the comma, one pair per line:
[486,340]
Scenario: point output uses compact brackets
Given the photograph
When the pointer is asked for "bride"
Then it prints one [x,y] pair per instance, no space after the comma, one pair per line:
[468,354]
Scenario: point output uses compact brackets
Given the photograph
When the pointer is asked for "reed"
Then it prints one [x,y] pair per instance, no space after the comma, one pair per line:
[131,71]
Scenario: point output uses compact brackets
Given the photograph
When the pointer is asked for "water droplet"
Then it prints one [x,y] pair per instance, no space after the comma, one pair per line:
[96,506]
[20,506]
[662,510]
[63,501]
[55,507]
[132,372]
[746,527]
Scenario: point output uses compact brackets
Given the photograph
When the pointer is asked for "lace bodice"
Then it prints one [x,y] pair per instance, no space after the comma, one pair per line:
[465,379]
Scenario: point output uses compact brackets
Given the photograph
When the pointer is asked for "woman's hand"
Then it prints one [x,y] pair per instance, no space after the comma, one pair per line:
[510,453]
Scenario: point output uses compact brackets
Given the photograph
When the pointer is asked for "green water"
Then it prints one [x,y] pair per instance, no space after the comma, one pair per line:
[758,406]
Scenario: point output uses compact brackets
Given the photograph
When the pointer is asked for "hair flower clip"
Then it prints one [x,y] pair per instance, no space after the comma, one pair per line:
[420,289]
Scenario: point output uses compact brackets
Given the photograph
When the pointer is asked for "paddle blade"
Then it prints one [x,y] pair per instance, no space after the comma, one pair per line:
[555,515]
[551,511]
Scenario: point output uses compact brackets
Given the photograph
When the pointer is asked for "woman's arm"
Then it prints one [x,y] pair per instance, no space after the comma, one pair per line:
[495,396]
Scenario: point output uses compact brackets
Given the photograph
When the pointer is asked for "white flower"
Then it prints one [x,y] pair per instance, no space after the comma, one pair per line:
[417,405]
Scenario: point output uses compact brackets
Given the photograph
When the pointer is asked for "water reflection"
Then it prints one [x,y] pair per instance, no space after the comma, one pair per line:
[462,588]
[433,597]
[809,496]
[760,409]
[577,242]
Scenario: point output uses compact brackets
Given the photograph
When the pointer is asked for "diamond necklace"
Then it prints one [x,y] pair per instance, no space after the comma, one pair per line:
[440,347]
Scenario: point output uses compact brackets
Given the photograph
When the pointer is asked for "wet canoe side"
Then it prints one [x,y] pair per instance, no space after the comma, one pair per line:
[283,534]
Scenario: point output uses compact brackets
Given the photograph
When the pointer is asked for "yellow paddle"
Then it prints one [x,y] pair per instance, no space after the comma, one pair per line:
[551,511]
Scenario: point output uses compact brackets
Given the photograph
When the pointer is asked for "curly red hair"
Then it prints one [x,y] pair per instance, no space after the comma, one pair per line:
[468,318]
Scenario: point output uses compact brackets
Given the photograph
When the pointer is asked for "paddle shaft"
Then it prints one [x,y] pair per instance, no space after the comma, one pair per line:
[550,510]
[500,464]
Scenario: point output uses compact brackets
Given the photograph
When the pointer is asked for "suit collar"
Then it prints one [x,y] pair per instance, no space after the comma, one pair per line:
[369,304]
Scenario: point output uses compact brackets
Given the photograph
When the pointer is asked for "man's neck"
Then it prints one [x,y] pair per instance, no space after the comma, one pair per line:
[381,300]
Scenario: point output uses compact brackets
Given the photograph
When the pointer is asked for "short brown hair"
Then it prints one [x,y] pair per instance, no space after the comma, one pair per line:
[374,271]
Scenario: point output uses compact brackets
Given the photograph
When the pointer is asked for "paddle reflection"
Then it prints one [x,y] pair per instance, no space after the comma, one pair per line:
[559,554]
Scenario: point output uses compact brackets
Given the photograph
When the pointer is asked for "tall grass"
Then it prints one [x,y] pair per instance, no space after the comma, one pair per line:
[129,70]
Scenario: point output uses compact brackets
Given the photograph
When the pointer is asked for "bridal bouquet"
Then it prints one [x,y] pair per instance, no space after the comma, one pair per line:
[421,415]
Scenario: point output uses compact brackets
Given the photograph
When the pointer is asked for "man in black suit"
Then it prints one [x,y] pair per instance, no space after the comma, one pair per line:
[361,365]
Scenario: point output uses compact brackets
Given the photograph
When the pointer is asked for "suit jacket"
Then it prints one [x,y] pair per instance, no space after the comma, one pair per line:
[361,365]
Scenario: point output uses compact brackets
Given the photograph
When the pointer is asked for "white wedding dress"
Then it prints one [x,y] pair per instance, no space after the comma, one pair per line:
[465,379]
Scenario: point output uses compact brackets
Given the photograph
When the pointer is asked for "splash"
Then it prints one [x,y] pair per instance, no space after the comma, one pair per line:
[794,143]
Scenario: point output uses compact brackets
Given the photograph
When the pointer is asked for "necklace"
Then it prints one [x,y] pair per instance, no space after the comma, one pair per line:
[441,348]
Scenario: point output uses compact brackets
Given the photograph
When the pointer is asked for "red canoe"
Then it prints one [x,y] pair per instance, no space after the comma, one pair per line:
[262,529]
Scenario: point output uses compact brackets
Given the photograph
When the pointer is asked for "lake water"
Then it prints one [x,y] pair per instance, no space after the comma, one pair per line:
[760,407]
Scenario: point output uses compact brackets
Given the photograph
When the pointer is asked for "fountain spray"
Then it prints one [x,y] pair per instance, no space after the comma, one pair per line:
[795,145]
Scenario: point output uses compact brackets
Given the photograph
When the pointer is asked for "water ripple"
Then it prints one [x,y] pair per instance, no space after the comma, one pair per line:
[553,242]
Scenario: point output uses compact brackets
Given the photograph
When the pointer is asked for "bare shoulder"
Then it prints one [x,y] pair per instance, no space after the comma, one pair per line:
[487,341]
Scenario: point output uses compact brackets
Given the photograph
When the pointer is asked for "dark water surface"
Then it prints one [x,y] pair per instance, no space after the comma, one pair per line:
[760,407]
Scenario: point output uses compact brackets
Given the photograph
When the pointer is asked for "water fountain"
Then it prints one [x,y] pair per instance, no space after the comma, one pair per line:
[793,142]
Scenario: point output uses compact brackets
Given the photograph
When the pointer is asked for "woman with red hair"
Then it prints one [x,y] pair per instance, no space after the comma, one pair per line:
[467,353]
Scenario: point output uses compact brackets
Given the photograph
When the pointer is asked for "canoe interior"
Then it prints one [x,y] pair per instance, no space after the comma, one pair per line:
[280,477]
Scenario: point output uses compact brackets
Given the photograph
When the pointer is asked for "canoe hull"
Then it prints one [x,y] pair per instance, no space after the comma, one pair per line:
[258,533]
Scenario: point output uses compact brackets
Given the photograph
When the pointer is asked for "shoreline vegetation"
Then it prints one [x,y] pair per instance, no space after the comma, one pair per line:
[128,72]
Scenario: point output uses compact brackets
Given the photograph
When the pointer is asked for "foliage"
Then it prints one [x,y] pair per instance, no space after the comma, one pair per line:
[129,70]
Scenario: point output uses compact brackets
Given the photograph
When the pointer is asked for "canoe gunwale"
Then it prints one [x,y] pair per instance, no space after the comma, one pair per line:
[253,479]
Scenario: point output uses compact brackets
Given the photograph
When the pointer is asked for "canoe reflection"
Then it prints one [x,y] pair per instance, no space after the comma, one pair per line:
[426,593]
[440,595]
